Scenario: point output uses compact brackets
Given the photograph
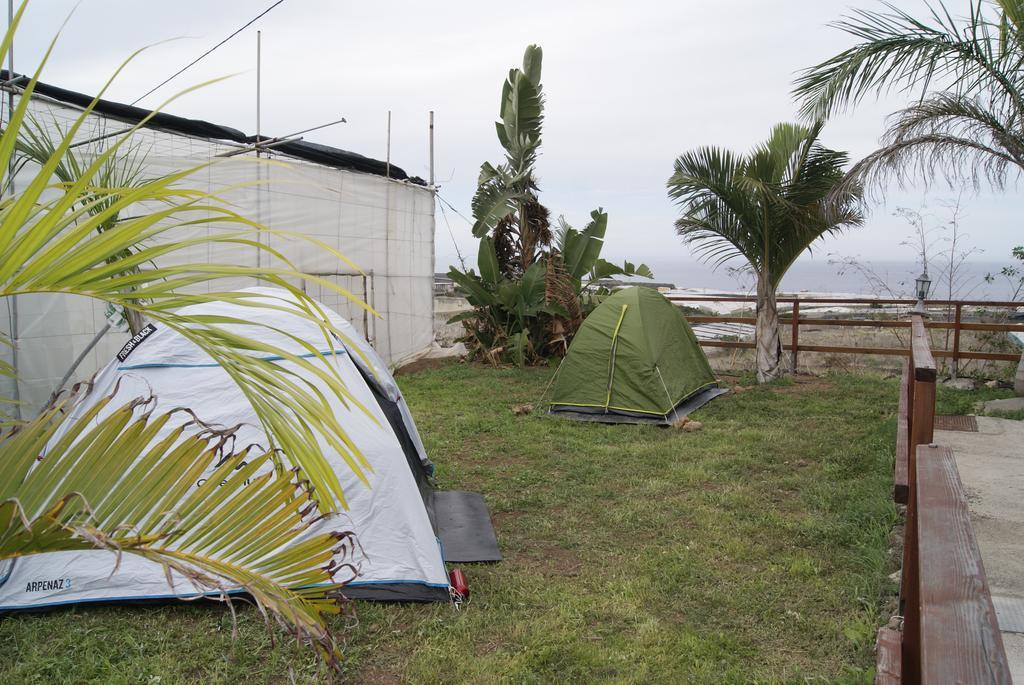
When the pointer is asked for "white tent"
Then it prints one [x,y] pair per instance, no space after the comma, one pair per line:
[399,556]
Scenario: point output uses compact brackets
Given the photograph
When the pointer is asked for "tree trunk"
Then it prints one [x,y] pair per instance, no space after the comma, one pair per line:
[767,341]
[1018,382]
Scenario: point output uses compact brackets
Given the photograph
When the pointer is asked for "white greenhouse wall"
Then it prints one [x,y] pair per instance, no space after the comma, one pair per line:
[383,226]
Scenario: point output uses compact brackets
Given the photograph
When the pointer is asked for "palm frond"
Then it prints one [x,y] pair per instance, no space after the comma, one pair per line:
[91,225]
[768,206]
[952,137]
[899,52]
[123,479]
[49,243]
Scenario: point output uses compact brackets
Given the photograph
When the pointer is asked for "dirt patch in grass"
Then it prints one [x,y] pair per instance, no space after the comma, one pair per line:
[801,384]
[553,560]
[422,365]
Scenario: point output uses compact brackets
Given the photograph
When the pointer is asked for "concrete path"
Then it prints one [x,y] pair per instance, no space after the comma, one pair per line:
[1009,404]
[991,465]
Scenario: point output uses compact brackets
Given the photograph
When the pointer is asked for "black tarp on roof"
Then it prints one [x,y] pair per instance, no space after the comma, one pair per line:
[310,152]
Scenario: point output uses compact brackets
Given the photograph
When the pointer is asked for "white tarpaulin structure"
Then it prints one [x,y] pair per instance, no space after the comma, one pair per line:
[373,213]
[399,555]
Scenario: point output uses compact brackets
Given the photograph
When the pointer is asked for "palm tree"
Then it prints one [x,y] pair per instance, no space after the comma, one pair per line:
[967,120]
[768,207]
[104,481]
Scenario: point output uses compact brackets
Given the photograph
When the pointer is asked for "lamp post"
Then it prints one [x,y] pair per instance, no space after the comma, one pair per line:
[922,285]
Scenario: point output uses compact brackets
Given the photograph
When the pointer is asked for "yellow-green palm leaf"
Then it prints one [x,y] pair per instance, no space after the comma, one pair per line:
[124,479]
[122,245]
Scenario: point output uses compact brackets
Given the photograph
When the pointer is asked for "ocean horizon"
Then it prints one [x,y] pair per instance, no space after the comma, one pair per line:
[882,278]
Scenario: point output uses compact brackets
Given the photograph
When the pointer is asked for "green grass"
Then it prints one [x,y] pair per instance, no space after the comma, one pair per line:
[959,402]
[1013,414]
[952,402]
[755,550]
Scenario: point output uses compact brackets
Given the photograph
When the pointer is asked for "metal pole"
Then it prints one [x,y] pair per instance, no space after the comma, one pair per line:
[388,146]
[10,184]
[366,314]
[431,148]
[259,40]
[259,167]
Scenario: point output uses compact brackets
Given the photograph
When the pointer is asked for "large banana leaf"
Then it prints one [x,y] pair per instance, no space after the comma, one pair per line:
[522,112]
[487,260]
[581,249]
[493,202]
[106,481]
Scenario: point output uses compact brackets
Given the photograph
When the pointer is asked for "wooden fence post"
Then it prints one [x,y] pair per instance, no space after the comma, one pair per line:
[956,340]
[796,333]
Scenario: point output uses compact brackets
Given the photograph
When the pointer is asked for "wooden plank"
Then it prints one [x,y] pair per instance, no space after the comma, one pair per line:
[737,344]
[721,319]
[990,356]
[861,323]
[960,640]
[887,351]
[901,483]
[957,327]
[922,414]
[866,323]
[888,663]
[998,327]
[924,362]
[845,300]
[794,325]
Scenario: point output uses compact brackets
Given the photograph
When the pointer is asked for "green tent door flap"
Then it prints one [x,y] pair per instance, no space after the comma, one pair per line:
[635,359]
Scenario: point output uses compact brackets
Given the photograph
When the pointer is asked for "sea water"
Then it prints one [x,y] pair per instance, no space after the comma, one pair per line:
[822,275]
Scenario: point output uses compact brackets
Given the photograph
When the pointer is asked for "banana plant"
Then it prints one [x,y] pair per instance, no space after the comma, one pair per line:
[506,205]
[505,322]
[530,296]
[580,254]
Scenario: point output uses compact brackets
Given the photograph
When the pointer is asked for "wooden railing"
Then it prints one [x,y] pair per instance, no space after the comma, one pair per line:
[793,319]
[950,633]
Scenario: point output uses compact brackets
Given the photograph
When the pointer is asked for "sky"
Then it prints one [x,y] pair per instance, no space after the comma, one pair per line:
[629,86]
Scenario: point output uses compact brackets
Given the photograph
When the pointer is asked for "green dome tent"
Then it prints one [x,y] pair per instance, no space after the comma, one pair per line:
[634,360]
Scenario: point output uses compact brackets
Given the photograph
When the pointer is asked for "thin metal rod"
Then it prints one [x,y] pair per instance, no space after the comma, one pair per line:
[388,146]
[197,59]
[16,394]
[317,128]
[274,142]
[78,362]
[431,148]
[264,145]
[366,314]
[259,40]
[13,85]
[96,139]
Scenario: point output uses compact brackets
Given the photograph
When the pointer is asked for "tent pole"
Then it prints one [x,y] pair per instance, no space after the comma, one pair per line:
[16,395]
[259,41]
[431,149]
[387,145]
